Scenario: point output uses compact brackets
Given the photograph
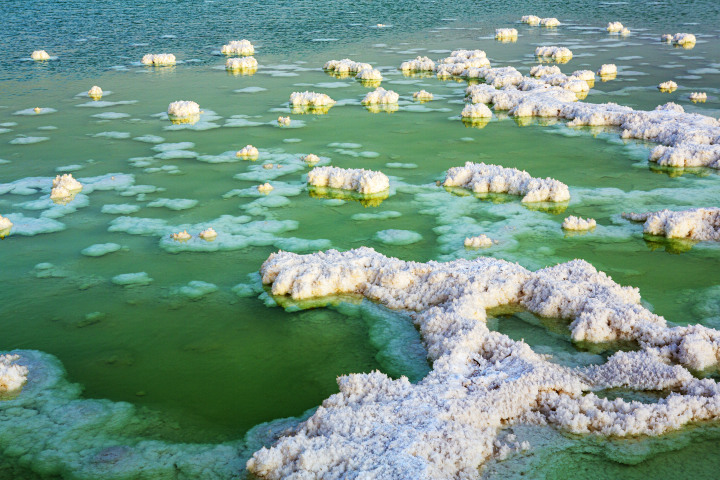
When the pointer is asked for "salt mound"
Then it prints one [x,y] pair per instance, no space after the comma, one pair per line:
[95,93]
[283,121]
[181,236]
[39,55]
[363,181]
[698,96]
[543,70]
[587,75]
[311,102]
[311,159]
[666,37]
[506,34]
[249,152]
[615,27]
[557,53]
[265,188]
[183,108]
[370,74]
[462,63]
[346,66]
[209,234]
[482,178]
[578,223]
[701,224]
[423,96]
[12,375]
[479,110]
[684,39]
[419,64]
[159,59]
[530,19]
[481,241]
[380,96]
[245,63]
[549,22]
[238,47]
[5,226]
[65,186]
[668,86]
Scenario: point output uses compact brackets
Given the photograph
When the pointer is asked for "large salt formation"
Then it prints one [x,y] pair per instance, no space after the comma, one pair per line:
[460,63]
[64,188]
[482,178]
[240,64]
[12,376]
[365,182]
[310,102]
[695,224]
[5,226]
[183,111]
[346,67]
[482,381]
[238,47]
[159,59]
[685,139]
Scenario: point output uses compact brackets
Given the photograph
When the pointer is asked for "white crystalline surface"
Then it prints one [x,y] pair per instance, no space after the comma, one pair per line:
[369,74]
[445,426]
[698,96]
[615,27]
[483,178]
[244,63]
[557,53]
[530,19]
[40,55]
[310,99]
[607,69]
[423,95]
[380,96]
[363,181]
[478,110]
[238,47]
[64,186]
[696,224]
[419,64]
[346,66]
[95,92]
[5,223]
[668,86]
[159,59]
[183,108]
[12,376]
[578,223]
[505,33]
[480,241]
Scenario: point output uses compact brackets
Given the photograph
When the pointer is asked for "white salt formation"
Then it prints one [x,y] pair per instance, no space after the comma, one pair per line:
[423,96]
[366,182]
[419,64]
[12,375]
[544,70]
[380,96]
[482,178]
[249,152]
[310,99]
[478,110]
[701,224]
[506,34]
[369,74]
[181,236]
[39,55]
[95,93]
[209,234]
[587,75]
[481,241]
[615,27]
[549,22]
[666,37]
[5,226]
[684,39]
[283,121]
[556,53]
[265,188]
[698,96]
[183,108]
[244,63]
[625,32]
[578,223]
[462,63]
[530,19]
[607,70]
[159,59]
[668,86]
[482,381]
[311,159]
[64,186]
[37,109]
[345,67]
[238,47]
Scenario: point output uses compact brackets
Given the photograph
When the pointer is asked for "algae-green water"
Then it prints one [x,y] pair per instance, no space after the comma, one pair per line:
[213,366]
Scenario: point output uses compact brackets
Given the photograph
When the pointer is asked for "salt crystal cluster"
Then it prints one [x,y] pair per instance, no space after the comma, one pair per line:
[5,226]
[701,224]
[346,67]
[265,188]
[310,99]
[684,39]
[461,63]
[366,182]
[423,96]
[238,64]
[607,70]
[587,75]
[578,223]
[208,234]
[419,64]
[480,241]
[615,27]
[311,159]
[39,55]
[478,110]
[380,96]
[506,34]
[369,74]
[238,47]
[668,86]
[549,22]
[158,59]
[64,186]
[95,93]
[556,53]
[12,375]
[530,19]
[543,70]
[181,236]
[283,121]
[248,151]
[698,96]
[484,178]
[183,108]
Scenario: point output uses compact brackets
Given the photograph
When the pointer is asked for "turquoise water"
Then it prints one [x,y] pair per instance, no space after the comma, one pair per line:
[214,367]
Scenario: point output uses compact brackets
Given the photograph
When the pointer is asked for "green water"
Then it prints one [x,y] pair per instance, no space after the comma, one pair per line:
[218,365]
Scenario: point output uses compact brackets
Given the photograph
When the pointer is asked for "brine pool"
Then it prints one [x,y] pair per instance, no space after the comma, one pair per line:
[198,347]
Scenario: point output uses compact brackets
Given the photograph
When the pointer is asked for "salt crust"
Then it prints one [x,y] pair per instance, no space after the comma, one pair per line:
[64,186]
[668,86]
[615,27]
[238,47]
[159,59]
[578,223]
[346,66]
[445,426]
[380,96]
[183,108]
[244,63]
[12,376]
[506,33]
[483,178]
[366,182]
[480,241]
[698,96]
[423,96]
[696,223]
[478,110]
[530,19]
[95,93]
[556,53]
[39,55]
[311,99]
[685,139]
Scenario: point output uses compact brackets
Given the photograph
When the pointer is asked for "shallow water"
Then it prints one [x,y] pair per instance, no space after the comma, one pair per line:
[217,365]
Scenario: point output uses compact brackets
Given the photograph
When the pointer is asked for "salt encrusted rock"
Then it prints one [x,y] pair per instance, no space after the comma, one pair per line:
[5,226]
[371,74]
[698,96]
[549,22]
[95,93]
[366,182]
[248,151]
[481,241]
[478,110]
[311,159]
[265,188]
[666,37]
[530,19]
[483,178]
[346,66]
[701,224]
[64,186]
[159,59]
[423,96]
[283,121]
[615,27]
[607,69]
[445,426]
[556,53]
[310,99]
[506,33]
[244,63]
[238,47]
[183,108]
[578,223]
[181,236]
[12,375]
[668,86]
[419,64]
[208,234]
[39,55]
[684,39]
[380,96]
